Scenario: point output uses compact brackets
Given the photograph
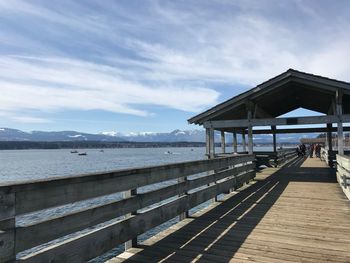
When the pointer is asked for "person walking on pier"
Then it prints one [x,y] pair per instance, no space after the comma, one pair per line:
[303,149]
[312,150]
[318,151]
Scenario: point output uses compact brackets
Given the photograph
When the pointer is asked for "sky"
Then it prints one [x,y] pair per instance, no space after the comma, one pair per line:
[132,65]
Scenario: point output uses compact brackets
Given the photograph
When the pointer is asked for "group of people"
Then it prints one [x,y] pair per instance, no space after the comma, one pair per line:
[312,149]
[301,150]
[315,148]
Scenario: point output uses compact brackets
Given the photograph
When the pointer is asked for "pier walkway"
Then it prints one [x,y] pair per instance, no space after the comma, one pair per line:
[297,213]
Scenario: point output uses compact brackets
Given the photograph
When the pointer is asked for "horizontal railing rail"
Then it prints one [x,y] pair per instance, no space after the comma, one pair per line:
[268,158]
[330,156]
[343,173]
[274,158]
[173,190]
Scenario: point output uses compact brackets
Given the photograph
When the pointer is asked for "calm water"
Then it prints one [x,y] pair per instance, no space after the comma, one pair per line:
[28,165]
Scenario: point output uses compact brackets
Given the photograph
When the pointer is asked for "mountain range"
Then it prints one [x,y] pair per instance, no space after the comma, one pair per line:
[8,134]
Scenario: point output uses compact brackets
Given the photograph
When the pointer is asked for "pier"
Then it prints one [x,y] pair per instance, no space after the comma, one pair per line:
[296,209]
[296,213]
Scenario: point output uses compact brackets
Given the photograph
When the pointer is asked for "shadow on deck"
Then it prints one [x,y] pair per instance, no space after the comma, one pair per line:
[292,214]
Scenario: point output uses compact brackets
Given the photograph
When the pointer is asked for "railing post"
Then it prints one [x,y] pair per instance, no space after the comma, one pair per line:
[7,227]
[133,242]
[185,214]
[212,154]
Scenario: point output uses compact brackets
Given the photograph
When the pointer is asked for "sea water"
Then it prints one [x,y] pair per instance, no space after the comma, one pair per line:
[28,165]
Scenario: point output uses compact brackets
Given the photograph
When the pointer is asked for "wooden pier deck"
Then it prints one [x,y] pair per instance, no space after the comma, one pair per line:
[297,213]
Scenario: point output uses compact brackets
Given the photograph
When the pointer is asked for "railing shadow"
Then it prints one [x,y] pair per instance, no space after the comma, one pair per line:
[218,234]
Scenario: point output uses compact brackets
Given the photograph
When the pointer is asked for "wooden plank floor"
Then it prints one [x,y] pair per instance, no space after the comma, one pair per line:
[294,214]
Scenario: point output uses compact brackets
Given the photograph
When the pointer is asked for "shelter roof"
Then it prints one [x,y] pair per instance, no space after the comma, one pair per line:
[284,93]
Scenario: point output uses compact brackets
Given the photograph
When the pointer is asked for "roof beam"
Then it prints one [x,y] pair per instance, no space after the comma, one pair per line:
[259,90]
[260,112]
[298,130]
[275,121]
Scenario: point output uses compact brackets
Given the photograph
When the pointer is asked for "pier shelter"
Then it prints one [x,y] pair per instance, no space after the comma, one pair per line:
[261,106]
[217,209]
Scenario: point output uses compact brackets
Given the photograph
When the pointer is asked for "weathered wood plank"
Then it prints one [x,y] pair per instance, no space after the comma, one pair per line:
[41,232]
[103,239]
[279,219]
[7,245]
[7,205]
[343,173]
[7,226]
[68,190]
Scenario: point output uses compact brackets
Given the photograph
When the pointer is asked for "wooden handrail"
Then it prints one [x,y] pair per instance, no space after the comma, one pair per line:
[221,175]
[343,173]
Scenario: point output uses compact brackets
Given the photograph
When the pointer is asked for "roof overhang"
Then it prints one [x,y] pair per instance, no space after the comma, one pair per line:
[279,95]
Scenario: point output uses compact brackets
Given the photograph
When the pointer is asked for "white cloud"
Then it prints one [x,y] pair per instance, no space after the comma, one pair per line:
[173,54]
[53,84]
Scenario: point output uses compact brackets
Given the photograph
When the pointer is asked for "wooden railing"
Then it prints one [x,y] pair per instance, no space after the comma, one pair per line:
[343,173]
[326,155]
[274,158]
[177,196]
[330,156]
[268,158]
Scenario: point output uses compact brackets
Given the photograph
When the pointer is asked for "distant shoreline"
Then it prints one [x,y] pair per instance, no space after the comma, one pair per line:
[27,145]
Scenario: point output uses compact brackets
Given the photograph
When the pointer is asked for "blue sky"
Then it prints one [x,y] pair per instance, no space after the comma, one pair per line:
[135,65]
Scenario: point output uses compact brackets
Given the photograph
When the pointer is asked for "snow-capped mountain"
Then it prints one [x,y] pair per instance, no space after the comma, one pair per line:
[174,136]
[7,134]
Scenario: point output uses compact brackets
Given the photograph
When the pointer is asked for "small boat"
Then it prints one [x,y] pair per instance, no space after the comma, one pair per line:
[84,153]
[74,151]
[102,151]
[168,152]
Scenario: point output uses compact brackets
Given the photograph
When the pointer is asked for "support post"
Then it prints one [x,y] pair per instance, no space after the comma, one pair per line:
[273,128]
[250,139]
[234,141]
[339,107]
[212,143]
[330,146]
[223,143]
[244,142]
[250,132]
[133,242]
[207,142]
[274,142]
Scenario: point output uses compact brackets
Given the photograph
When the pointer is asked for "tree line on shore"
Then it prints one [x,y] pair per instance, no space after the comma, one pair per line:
[22,145]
